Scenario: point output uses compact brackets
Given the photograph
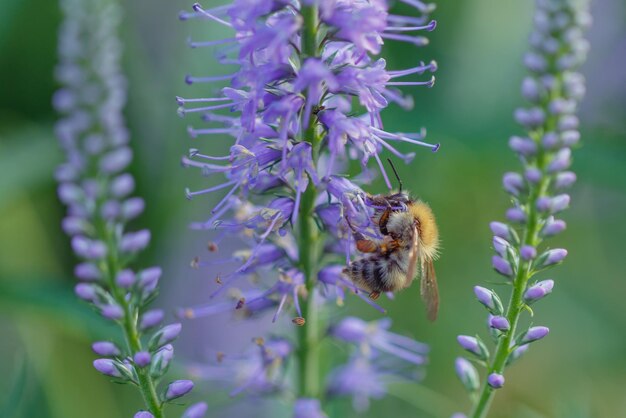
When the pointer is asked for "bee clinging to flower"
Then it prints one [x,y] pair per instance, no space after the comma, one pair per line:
[409,245]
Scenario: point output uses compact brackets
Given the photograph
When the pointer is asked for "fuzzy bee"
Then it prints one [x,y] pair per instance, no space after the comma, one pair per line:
[409,244]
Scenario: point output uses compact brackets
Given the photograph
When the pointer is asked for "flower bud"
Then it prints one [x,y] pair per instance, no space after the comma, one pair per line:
[550,140]
[161,360]
[499,322]
[503,230]
[564,180]
[517,353]
[533,334]
[87,271]
[516,215]
[513,183]
[105,349]
[474,345]
[142,358]
[125,278]
[538,291]
[178,388]
[550,258]
[489,299]
[467,373]
[151,319]
[553,204]
[533,175]
[523,146]
[561,161]
[132,242]
[501,266]
[112,311]
[143,414]
[495,380]
[196,410]
[87,292]
[528,252]
[165,335]
[553,227]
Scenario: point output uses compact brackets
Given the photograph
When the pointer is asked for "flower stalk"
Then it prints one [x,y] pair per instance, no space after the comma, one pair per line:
[554,90]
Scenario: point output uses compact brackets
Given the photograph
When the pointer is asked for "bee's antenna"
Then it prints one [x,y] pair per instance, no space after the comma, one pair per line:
[393,167]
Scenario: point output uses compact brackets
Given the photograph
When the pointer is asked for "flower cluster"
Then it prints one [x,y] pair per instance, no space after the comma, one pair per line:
[553,90]
[305,101]
[97,192]
[380,357]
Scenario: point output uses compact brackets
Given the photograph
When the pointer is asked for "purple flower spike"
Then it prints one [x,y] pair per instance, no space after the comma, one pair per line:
[197,410]
[500,323]
[502,266]
[538,291]
[467,373]
[495,380]
[105,349]
[178,388]
[143,414]
[308,408]
[142,358]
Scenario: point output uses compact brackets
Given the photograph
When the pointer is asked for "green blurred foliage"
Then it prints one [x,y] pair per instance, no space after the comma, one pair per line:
[578,372]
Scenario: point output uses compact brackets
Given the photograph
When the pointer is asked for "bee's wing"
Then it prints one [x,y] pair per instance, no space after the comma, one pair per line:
[410,274]
[429,289]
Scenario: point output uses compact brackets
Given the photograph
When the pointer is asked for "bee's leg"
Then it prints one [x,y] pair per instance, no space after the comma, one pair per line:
[374,295]
[384,218]
[363,244]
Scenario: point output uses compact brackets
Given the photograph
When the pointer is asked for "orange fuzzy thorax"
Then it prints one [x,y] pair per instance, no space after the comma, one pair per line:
[427,227]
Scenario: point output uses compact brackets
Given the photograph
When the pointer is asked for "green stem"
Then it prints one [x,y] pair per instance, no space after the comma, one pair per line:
[524,273]
[308,241]
[112,266]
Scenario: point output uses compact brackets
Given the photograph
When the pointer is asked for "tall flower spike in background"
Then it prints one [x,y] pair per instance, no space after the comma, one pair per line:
[97,192]
[305,101]
[553,90]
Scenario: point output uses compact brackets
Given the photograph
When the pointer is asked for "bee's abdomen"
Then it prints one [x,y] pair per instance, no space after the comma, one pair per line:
[376,273]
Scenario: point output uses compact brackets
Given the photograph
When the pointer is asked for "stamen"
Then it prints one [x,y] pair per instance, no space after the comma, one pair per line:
[206,13]
[421,69]
[201,44]
[190,79]
[416,40]
[382,169]
[189,194]
[428,83]
[181,100]
[193,133]
[182,111]
[429,27]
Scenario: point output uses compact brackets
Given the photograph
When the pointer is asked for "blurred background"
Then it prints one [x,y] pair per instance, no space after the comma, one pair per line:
[45,333]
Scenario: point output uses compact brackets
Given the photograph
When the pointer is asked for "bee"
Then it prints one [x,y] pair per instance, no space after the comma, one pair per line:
[409,245]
